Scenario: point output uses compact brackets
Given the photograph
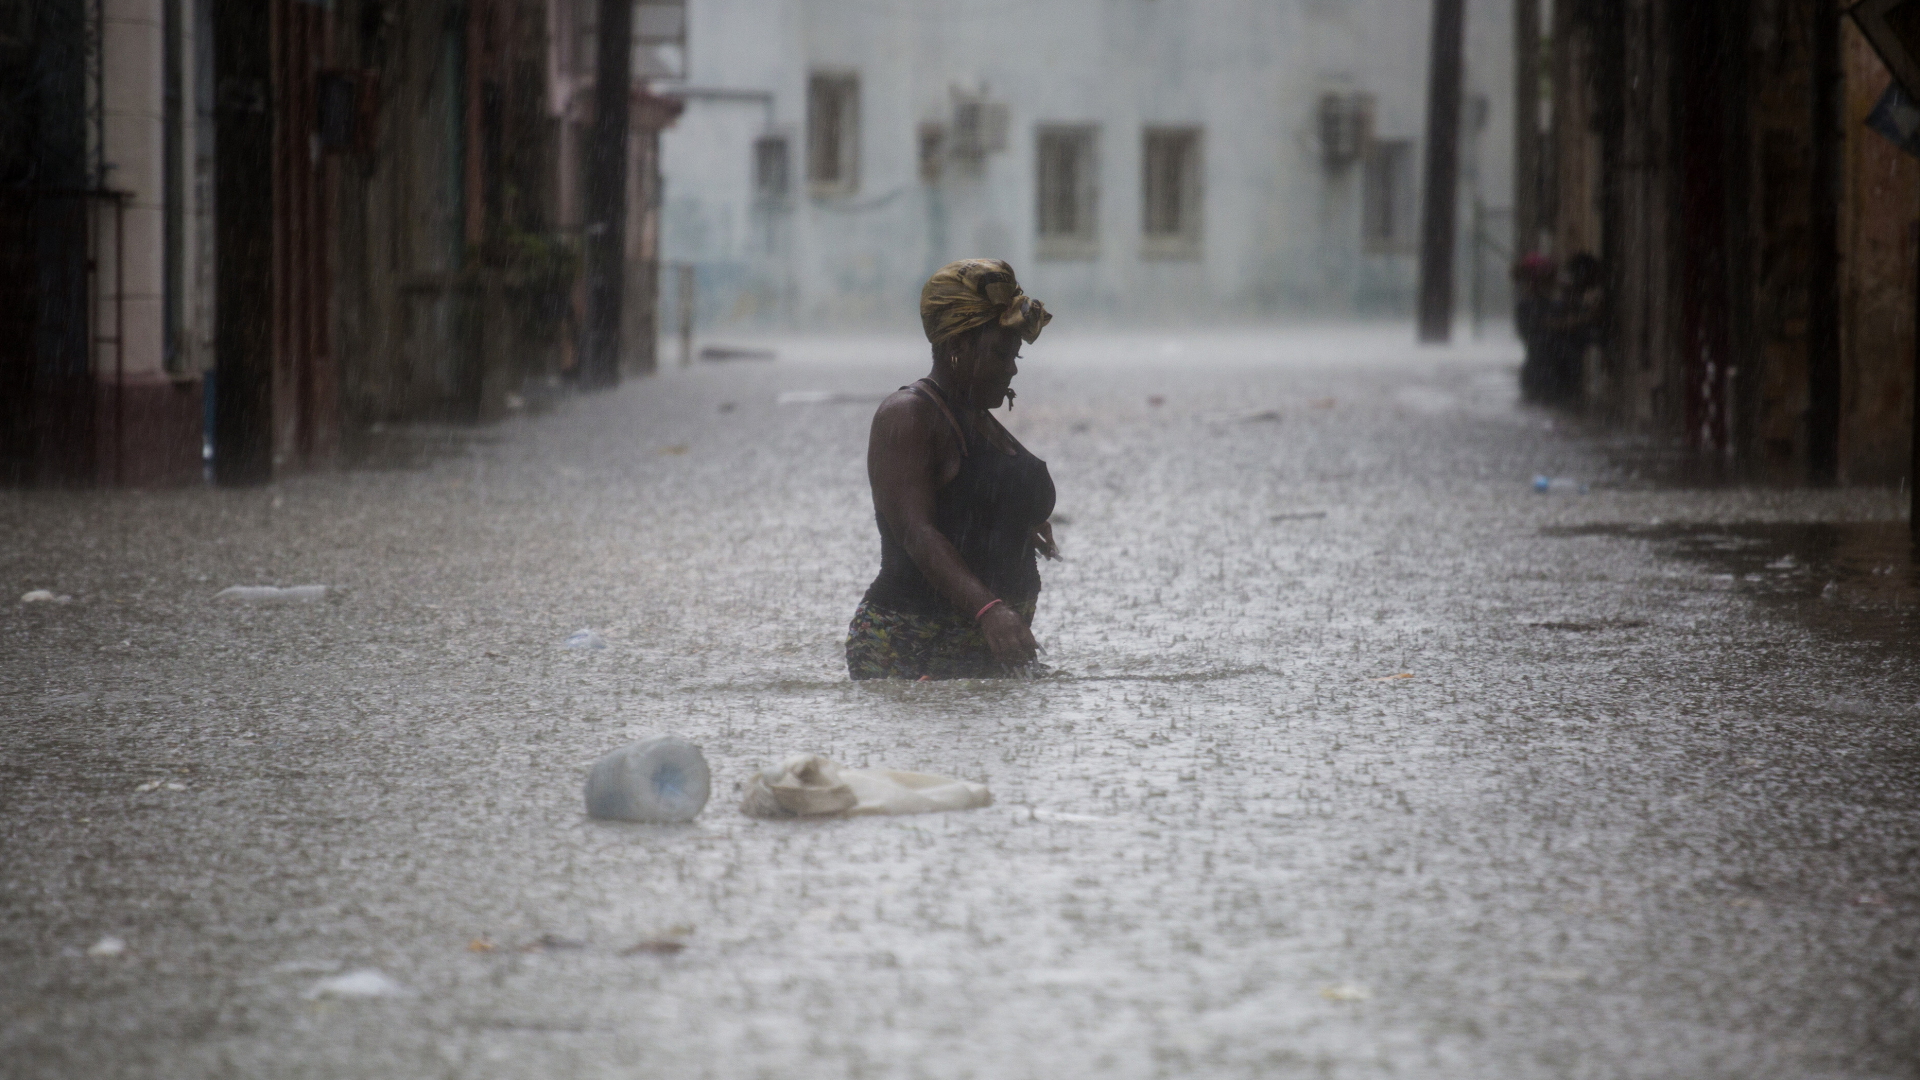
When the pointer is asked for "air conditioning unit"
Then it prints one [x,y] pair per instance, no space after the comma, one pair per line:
[979,128]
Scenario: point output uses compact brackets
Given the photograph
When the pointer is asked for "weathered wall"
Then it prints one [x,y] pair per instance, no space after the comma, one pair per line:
[459,162]
[1878,248]
[400,213]
[1574,191]
[1693,172]
[1636,376]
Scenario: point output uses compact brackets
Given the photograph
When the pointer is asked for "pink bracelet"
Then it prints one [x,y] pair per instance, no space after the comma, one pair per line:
[984,610]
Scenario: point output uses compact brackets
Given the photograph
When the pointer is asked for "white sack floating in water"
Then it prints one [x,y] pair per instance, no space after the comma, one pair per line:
[272,594]
[808,785]
[662,780]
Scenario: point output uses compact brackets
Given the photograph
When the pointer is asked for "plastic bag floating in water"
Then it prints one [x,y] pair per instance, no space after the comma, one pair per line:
[365,983]
[808,785]
[1558,484]
[661,780]
[584,639]
[272,594]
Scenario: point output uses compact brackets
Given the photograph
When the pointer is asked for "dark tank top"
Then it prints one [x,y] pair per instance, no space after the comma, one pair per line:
[988,511]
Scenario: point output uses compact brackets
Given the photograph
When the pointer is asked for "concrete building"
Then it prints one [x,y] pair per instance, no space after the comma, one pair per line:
[1136,160]
[253,229]
[103,218]
[1757,231]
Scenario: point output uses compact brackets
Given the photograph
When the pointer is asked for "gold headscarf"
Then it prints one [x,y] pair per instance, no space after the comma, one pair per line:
[974,292]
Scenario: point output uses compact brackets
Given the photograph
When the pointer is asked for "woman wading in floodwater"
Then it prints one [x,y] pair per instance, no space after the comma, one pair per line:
[962,506]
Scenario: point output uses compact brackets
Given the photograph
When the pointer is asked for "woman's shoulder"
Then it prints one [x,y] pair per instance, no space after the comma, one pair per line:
[904,403]
[905,395]
[906,406]
[912,413]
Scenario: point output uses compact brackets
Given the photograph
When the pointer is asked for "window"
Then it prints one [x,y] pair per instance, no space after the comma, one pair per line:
[770,168]
[1067,196]
[1387,225]
[833,132]
[1170,193]
[933,152]
[1346,123]
[660,39]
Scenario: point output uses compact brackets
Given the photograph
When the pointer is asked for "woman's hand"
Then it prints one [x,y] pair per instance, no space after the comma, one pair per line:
[1007,635]
[1043,540]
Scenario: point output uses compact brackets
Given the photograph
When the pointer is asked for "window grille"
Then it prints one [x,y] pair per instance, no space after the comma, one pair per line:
[1170,193]
[770,168]
[1388,198]
[1346,125]
[833,132]
[1067,192]
[932,151]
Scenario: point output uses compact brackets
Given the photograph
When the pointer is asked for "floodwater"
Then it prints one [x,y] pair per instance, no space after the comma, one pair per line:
[1359,758]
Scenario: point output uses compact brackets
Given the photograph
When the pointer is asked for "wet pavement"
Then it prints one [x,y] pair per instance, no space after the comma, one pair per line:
[1360,757]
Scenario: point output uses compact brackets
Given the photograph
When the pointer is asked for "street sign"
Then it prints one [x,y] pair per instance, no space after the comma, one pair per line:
[1892,27]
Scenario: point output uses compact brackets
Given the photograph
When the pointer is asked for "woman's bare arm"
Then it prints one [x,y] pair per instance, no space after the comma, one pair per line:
[910,455]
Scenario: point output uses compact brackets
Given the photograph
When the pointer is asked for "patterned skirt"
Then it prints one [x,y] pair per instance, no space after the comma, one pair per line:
[883,644]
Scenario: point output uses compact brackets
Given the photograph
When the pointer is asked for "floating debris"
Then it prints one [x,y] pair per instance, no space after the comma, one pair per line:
[364,983]
[1561,484]
[662,780]
[272,594]
[734,352]
[584,639]
[655,946]
[808,785]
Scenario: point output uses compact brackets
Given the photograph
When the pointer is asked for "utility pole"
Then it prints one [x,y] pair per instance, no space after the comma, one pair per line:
[606,194]
[1444,75]
[243,243]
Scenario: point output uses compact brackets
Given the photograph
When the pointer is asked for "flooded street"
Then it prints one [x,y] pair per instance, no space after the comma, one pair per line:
[1359,758]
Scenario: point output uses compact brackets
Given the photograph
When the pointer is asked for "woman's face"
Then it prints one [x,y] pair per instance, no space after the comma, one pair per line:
[990,368]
